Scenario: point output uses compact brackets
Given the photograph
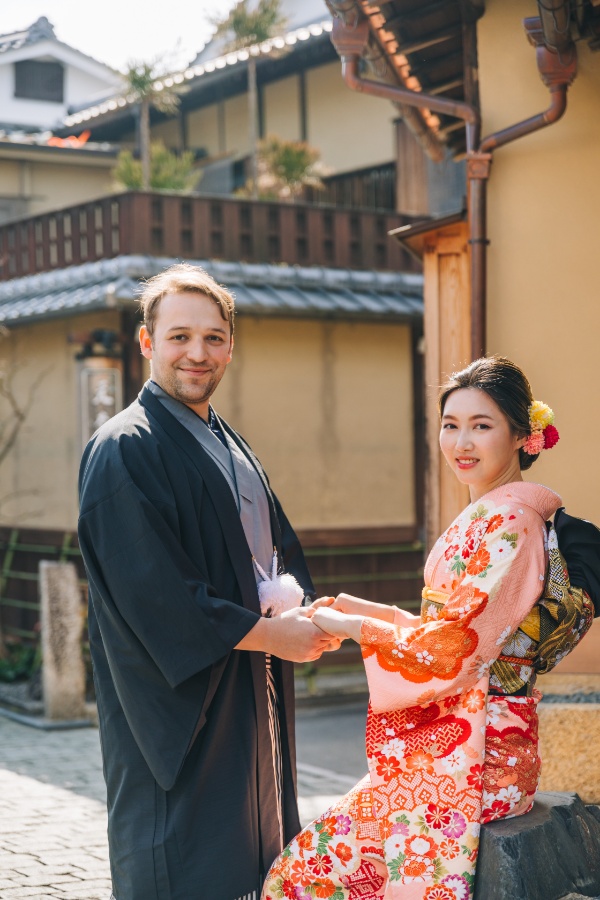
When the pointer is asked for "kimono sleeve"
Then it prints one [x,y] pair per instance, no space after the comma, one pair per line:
[408,666]
[148,591]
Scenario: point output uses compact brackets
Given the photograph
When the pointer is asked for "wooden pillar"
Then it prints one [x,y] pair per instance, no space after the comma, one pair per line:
[447,325]
[443,248]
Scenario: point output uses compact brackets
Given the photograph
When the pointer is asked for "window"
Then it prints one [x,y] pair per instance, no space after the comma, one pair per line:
[36,80]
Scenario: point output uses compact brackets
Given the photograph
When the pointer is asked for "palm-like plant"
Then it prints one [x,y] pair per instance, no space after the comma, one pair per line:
[242,28]
[142,87]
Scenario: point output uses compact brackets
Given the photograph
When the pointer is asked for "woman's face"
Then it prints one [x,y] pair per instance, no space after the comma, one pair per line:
[478,443]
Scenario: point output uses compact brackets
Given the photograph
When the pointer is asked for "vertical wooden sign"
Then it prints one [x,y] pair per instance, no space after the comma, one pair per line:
[100,393]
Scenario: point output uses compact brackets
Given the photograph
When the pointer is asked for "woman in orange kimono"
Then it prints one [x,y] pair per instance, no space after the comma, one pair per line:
[452,722]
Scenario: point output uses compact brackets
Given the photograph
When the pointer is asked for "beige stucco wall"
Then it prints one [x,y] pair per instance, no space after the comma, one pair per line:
[328,409]
[169,133]
[332,113]
[281,104]
[326,406]
[544,202]
[52,185]
[203,129]
[42,468]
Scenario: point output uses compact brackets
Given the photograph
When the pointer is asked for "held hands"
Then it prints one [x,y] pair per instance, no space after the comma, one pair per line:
[337,623]
[293,636]
[290,635]
[305,633]
[343,615]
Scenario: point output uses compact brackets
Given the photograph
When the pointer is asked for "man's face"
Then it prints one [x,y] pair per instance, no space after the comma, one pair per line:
[190,348]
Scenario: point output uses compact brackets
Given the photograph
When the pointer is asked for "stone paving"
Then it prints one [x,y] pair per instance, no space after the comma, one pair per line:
[53,815]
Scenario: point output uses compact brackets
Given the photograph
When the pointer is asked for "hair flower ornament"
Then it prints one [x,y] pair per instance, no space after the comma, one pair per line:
[277,593]
[543,434]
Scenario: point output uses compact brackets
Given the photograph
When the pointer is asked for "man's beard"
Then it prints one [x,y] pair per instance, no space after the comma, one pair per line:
[193,393]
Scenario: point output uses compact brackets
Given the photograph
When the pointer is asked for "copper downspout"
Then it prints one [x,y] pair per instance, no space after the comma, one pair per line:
[556,73]
[350,42]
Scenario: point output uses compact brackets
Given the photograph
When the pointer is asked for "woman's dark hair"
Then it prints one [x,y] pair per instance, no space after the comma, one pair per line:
[507,386]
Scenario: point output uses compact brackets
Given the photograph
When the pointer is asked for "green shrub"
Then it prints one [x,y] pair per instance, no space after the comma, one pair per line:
[168,171]
[21,662]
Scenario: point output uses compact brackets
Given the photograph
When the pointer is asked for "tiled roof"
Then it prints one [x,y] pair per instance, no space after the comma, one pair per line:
[295,15]
[41,30]
[190,75]
[260,289]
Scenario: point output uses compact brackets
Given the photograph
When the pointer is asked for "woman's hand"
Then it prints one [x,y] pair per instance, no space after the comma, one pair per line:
[337,623]
[354,606]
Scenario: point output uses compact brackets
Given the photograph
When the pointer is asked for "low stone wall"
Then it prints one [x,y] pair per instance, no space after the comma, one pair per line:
[569,718]
[551,853]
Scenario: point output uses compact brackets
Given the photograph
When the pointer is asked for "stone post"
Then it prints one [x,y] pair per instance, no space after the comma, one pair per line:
[63,673]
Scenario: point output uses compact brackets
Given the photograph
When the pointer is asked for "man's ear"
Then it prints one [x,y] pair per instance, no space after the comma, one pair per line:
[231,342]
[145,342]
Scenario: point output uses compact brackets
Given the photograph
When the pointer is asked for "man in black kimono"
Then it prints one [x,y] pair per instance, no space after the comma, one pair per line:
[195,701]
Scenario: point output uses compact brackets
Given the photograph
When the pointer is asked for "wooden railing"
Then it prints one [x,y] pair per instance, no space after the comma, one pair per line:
[202,227]
[370,188]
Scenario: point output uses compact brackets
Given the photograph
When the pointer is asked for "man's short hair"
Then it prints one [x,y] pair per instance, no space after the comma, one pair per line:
[183,278]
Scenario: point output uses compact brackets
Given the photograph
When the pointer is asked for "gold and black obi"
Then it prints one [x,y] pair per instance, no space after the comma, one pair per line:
[555,625]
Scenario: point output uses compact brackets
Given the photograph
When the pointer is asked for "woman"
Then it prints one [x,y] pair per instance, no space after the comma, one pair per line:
[452,722]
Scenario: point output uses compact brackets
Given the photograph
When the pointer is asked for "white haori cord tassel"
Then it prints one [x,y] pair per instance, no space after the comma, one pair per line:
[277,593]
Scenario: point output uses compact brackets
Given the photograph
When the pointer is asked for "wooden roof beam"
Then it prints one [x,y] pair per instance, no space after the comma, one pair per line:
[442,86]
[430,40]
[453,126]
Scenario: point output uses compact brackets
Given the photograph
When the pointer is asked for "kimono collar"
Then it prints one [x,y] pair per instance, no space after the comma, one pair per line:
[538,497]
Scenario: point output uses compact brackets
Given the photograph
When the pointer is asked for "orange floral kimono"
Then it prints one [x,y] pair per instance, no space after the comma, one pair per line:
[447,748]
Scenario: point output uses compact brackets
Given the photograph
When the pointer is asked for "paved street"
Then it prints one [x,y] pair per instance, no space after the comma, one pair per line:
[52,813]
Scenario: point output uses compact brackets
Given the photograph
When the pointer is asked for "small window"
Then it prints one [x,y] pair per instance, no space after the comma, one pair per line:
[36,80]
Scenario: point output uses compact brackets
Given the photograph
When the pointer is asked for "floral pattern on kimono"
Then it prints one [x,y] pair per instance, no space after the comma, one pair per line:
[444,755]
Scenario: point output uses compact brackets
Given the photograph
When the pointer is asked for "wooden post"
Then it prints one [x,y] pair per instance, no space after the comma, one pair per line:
[447,325]
[443,246]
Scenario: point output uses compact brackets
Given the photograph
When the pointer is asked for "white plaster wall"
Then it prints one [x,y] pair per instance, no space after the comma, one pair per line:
[80,86]
[83,87]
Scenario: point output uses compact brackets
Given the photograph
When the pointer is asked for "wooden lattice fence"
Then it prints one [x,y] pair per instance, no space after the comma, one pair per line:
[385,572]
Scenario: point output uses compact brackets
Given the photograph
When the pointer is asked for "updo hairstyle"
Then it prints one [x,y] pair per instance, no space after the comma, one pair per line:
[507,386]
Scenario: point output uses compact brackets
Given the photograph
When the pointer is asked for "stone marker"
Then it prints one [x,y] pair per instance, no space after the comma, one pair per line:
[63,673]
[551,853]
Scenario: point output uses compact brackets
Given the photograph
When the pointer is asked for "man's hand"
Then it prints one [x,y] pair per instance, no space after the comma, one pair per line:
[289,636]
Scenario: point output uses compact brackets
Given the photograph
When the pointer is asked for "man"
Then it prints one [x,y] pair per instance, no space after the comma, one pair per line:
[196,716]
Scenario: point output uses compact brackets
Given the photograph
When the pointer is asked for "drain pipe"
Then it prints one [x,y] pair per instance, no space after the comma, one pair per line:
[350,42]
[556,72]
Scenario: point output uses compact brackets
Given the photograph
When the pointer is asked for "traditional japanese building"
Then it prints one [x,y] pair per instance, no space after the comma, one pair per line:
[518,99]
[41,78]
